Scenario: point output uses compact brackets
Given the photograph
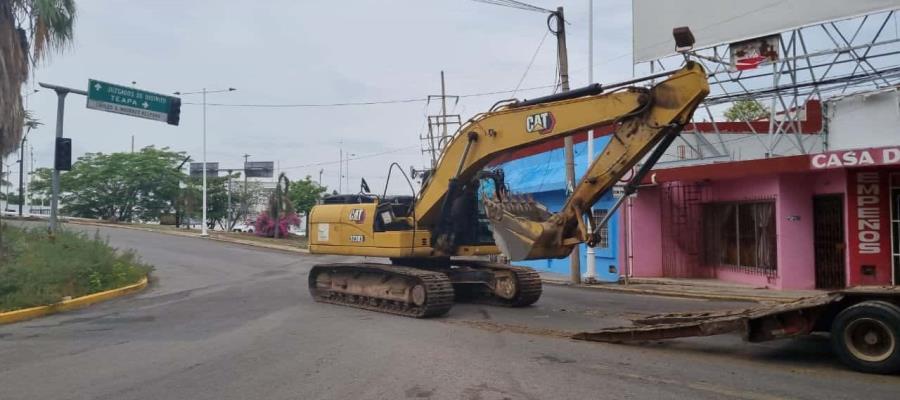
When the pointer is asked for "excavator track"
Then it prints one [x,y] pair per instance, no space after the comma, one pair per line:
[391,289]
[529,291]
[528,286]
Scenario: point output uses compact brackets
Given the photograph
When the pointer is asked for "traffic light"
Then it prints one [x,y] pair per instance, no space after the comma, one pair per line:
[63,158]
[174,111]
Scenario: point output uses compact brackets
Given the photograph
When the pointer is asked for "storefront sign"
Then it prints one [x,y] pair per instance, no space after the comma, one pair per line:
[855,158]
[868,228]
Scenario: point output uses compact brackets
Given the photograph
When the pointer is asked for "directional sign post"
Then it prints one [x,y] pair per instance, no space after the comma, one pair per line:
[130,101]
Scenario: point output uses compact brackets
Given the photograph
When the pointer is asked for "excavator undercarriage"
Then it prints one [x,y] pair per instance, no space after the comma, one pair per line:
[405,289]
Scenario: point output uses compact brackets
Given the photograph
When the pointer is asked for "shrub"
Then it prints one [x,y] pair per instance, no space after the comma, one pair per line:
[265,225]
[39,270]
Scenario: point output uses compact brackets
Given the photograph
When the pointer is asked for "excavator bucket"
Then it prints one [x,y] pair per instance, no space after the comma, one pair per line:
[523,229]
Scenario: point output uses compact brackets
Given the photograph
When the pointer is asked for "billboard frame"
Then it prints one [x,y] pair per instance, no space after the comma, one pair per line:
[845,61]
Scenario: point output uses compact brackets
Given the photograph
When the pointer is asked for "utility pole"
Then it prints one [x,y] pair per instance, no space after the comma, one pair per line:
[438,125]
[590,257]
[132,144]
[321,170]
[61,93]
[563,60]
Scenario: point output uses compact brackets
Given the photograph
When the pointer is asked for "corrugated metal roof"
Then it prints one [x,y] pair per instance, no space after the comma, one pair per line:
[545,171]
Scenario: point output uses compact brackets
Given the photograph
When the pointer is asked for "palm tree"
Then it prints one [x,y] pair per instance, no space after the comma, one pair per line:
[42,25]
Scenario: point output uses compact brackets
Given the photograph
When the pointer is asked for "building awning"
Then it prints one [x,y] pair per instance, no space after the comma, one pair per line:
[852,158]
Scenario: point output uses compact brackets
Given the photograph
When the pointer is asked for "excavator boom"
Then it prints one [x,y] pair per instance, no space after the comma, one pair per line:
[523,230]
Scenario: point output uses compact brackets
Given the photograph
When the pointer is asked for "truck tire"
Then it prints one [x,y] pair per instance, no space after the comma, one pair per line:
[866,337]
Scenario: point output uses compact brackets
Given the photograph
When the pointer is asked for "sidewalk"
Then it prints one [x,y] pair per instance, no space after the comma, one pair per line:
[711,289]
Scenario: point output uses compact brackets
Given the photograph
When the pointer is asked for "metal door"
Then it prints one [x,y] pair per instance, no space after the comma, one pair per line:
[828,225]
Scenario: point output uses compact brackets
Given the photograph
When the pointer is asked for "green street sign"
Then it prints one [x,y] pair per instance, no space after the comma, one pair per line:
[130,101]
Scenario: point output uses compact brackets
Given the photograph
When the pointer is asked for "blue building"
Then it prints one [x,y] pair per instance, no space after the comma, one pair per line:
[543,175]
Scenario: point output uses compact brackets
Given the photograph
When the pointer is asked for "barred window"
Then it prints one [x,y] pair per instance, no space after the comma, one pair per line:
[599,214]
[740,235]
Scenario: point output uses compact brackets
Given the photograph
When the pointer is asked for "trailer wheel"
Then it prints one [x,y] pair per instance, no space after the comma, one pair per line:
[866,337]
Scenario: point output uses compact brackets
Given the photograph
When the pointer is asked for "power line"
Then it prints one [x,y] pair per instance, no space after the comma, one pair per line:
[316,164]
[515,4]
[361,103]
[530,63]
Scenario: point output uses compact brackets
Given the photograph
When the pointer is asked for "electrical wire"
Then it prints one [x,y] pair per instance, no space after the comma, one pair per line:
[316,164]
[361,103]
[515,4]
[530,63]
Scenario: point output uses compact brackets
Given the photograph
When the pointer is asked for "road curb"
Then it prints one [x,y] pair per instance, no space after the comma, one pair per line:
[71,304]
[194,235]
[675,293]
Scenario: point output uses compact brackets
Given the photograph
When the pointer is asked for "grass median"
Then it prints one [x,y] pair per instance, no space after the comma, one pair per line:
[36,269]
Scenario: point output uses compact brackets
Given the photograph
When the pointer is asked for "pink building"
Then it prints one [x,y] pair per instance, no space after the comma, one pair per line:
[812,221]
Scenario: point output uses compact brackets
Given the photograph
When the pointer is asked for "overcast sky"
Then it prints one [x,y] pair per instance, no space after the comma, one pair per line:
[292,52]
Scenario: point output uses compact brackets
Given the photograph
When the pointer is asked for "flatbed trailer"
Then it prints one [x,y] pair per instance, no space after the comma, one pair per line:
[864,324]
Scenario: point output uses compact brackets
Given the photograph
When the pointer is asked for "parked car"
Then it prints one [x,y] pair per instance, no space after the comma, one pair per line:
[246,226]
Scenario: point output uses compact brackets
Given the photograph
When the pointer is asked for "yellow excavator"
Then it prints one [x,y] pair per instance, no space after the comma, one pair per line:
[437,239]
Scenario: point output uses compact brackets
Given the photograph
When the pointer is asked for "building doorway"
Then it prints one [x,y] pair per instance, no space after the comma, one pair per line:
[828,240]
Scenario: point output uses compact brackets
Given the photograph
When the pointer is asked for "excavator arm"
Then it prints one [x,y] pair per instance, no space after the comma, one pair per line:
[523,229]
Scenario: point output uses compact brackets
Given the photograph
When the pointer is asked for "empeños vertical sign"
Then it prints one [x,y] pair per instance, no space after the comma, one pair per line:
[868,228]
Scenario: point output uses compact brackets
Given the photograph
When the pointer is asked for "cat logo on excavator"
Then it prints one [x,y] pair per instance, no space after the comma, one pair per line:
[541,123]
[357,215]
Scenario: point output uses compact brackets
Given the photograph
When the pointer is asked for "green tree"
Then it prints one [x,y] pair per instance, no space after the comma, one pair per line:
[118,186]
[216,199]
[746,110]
[305,193]
[244,199]
[41,25]
[39,186]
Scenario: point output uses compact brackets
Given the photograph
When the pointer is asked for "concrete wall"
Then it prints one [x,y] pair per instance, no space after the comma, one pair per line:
[863,120]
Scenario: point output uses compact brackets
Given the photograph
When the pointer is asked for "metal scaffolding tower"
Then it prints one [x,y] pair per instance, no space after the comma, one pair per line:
[814,62]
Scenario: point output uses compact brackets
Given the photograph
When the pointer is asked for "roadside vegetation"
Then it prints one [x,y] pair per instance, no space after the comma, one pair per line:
[39,270]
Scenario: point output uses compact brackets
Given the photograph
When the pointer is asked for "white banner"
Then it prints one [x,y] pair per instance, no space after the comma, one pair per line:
[727,21]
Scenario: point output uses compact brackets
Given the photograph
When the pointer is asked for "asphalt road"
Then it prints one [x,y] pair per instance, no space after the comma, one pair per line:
[223,321]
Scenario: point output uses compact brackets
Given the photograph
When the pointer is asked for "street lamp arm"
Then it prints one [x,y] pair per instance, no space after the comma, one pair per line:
[231,89]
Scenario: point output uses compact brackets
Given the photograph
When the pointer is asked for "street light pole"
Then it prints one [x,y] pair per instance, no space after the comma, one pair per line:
[203,231]
[590,257]
[22,159]
[22,171]
[347,170]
